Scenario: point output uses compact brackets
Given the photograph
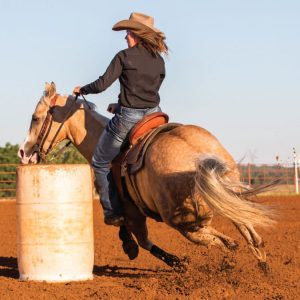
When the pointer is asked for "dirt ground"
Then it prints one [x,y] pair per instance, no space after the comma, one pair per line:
[211,273]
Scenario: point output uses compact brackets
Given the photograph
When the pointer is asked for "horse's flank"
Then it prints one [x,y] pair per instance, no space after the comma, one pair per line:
[168,180]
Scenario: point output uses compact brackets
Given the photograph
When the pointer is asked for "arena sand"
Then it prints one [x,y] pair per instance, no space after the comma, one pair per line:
[211,274]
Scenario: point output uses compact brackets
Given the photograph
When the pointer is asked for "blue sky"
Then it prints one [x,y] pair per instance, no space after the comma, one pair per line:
[233,68]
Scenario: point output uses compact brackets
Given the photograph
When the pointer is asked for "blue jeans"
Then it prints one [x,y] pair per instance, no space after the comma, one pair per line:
[108,147]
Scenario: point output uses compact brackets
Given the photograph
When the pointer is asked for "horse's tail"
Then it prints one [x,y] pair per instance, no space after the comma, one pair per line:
[227,197]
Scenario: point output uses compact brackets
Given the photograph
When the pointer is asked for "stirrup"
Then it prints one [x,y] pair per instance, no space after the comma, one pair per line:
[114,220]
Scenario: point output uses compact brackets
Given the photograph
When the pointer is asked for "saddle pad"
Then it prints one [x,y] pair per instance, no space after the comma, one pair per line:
[135,156]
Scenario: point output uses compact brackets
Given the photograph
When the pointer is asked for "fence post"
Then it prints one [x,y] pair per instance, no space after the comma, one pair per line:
[296,172]
[249,175]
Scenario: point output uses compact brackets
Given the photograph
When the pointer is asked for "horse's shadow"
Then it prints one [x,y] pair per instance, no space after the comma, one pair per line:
[127,272]
[9,269]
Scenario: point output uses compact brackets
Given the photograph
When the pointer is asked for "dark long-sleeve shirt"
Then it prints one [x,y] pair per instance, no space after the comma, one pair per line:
[140,75]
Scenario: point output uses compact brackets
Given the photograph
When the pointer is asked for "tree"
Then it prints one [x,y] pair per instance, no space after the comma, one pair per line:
[8,157]
[9,160]
[9,154]
[70,155]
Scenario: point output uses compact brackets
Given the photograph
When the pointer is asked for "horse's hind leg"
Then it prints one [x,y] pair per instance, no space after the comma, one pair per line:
[200,231]
[254,241]
[207,236]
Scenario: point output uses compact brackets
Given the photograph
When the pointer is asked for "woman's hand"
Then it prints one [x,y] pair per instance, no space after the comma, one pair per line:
[112,107]
[76,90]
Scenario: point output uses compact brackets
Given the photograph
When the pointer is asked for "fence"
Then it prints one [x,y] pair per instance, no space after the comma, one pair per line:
[258,174]
[8,180]
[251,174]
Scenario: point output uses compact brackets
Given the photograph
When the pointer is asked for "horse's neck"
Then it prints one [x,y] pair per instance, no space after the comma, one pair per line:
[84,129]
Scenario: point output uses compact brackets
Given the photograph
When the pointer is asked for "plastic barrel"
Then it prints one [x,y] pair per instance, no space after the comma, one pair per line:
[55,240]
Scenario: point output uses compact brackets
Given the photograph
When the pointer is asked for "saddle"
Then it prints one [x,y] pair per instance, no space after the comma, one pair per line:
[131,158]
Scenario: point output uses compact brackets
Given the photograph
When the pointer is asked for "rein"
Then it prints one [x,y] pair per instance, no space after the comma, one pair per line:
[38,144]
[38,147]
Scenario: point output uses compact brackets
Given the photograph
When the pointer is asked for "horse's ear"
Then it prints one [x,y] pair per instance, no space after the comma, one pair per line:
[50,89]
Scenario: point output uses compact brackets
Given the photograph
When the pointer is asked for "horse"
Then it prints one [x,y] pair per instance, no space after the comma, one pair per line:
[187,176]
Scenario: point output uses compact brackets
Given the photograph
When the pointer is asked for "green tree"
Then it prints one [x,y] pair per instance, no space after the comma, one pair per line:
[9,160]
[8,157]
[70,155]
[9,154]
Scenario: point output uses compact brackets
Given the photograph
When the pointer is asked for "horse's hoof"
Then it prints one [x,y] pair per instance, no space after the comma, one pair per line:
[131,249]
[264,267]
[233,246]
[181,266]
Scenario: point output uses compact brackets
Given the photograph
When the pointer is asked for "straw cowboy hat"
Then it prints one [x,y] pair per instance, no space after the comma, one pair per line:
[137,21]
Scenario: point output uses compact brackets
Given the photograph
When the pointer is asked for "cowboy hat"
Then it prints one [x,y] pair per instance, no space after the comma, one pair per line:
[136,21]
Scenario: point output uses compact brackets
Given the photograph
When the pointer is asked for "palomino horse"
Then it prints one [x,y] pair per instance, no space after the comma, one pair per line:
[186,175]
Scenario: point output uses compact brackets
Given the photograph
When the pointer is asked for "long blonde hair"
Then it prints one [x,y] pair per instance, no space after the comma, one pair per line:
[153,41]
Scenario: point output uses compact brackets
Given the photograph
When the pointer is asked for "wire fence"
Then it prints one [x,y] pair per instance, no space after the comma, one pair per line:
[252,175]
[8,180]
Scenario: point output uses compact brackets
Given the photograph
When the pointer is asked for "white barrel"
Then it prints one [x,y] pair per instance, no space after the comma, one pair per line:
[55,239]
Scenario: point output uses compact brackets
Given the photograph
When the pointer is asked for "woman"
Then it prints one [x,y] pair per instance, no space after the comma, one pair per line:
[140,70]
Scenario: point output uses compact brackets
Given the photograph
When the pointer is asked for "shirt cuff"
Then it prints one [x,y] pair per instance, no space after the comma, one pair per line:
[83,91]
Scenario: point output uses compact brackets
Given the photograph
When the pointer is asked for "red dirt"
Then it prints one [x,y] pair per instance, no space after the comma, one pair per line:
[211,274]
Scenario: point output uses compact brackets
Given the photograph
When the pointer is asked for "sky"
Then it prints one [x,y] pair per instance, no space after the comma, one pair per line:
[233,66]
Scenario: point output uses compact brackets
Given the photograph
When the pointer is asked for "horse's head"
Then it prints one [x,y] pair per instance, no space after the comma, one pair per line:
[45,130]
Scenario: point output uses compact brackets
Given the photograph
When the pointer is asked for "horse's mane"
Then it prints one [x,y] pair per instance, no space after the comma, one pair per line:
[87,105]
[92,107]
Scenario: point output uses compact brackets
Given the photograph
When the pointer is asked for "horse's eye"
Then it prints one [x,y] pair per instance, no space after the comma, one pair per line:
[35,119]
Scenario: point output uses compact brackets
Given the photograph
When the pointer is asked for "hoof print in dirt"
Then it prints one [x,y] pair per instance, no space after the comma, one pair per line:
[264,267]
[227,264]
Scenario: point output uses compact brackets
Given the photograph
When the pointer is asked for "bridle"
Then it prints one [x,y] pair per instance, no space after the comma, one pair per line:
[45,129]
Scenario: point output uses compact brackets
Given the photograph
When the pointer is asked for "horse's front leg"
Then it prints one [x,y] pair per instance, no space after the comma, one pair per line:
[136,223]
[171,260]
[129,245]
